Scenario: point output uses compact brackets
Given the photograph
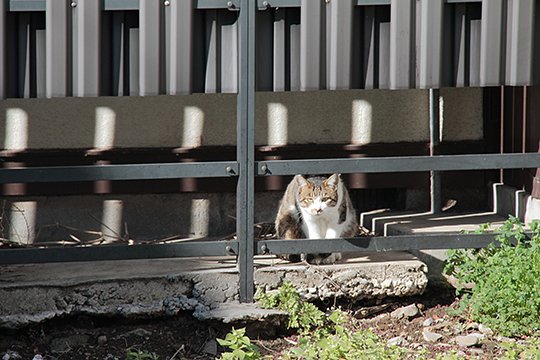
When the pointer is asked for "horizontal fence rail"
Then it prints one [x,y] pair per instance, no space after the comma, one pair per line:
[118,252]
[118,172]
[181,47]
[400,164]
[377,243]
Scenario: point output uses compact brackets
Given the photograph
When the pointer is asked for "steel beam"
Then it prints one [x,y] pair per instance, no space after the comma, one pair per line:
[246,149]
[377,243]
[400,164]
[117,252]
[118,172]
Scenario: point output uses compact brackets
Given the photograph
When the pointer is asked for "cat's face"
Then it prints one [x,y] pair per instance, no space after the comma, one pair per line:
[316,194]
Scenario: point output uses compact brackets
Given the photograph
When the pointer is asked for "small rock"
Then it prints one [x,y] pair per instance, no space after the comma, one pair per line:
[485,330]
[11,355]
[37,357]
[101,340]
[467,340]
[431,336]
[408,312]
[396,341]
[477,352]
[210,347]
[428,322]
[472,326]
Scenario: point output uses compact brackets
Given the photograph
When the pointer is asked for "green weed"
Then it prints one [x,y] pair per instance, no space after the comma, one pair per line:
[506,287]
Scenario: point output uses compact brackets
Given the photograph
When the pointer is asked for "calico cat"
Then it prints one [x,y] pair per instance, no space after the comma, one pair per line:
[316,208]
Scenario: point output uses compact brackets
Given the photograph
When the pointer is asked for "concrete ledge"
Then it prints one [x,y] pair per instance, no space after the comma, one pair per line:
[33,293]
[389,223]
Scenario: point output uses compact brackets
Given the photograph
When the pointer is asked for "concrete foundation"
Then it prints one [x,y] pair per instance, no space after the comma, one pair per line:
[33,293]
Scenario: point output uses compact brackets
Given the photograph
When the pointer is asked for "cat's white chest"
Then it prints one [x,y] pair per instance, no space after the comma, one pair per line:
[323,226]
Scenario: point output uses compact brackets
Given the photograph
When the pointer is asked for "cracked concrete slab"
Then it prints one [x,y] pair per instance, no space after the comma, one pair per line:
[206,286]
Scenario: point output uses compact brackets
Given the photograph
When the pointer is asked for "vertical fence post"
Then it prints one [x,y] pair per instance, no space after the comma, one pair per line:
[431,43]
[149,47]
[56,48]
[86,25]
[3,49]
[491,44]
[181,47]
[434,140]
[402,49]
[310,45]
[340,44]
[245,148]
[520,41]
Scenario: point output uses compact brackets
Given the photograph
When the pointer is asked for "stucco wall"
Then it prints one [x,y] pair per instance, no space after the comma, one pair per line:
[351,116]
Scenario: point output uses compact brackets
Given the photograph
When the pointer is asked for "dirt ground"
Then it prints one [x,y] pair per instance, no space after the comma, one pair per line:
[183,337]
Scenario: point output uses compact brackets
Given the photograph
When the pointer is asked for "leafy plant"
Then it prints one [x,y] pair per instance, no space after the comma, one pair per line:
[529,351]
[324,336]
[240,345]
[302,314]
[135,354]
[506,287]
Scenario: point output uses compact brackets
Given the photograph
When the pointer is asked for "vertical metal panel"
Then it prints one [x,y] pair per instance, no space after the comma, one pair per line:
[3,49]
[25,47]
[431,35]
[211,42]
[228,42]
[181,15]
[295,31]
[86,23]
[370,31]
[520,42]
[310,44]
[246,150]
[402,49]
[39,63]
[149,49]
[279,50]
[56,48]
[384,55]
[475,52]
[264,43]
[340,44]
[491,43]
[461,46]
[118,56]
[134,63]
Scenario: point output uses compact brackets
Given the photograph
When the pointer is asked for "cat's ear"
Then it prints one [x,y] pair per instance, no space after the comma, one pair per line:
[333,180]
[300,180]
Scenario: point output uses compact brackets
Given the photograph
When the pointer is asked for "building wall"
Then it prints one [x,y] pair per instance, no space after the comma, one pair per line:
[322,117]
[352,116]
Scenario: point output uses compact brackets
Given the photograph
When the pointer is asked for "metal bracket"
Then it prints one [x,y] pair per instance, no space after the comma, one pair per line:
[263,169]
[232,6]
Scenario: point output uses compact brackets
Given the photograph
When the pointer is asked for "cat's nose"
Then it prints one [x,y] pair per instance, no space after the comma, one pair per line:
[317,211]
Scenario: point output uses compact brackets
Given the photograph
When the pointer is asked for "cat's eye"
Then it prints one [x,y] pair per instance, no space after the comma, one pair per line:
[325,199]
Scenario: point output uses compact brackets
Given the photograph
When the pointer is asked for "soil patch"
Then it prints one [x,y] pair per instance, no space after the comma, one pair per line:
[430,328]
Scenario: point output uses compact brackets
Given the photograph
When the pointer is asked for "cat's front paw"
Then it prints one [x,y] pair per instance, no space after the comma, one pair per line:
[323,259]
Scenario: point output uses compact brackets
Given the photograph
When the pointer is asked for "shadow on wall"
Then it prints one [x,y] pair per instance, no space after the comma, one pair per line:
[22,223]
[342,117]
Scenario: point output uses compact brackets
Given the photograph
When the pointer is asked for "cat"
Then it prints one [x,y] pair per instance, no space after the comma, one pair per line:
[316,208]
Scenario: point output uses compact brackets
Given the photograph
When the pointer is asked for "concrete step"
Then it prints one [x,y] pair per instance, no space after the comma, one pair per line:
[36,292]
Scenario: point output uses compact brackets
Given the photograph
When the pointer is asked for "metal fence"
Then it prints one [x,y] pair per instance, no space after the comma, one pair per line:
[131,47]
[57,48]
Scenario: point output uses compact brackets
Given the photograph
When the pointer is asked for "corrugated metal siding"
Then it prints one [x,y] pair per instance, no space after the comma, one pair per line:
[130,47]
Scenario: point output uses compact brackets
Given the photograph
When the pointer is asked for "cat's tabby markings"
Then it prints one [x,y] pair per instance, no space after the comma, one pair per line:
[316,208]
